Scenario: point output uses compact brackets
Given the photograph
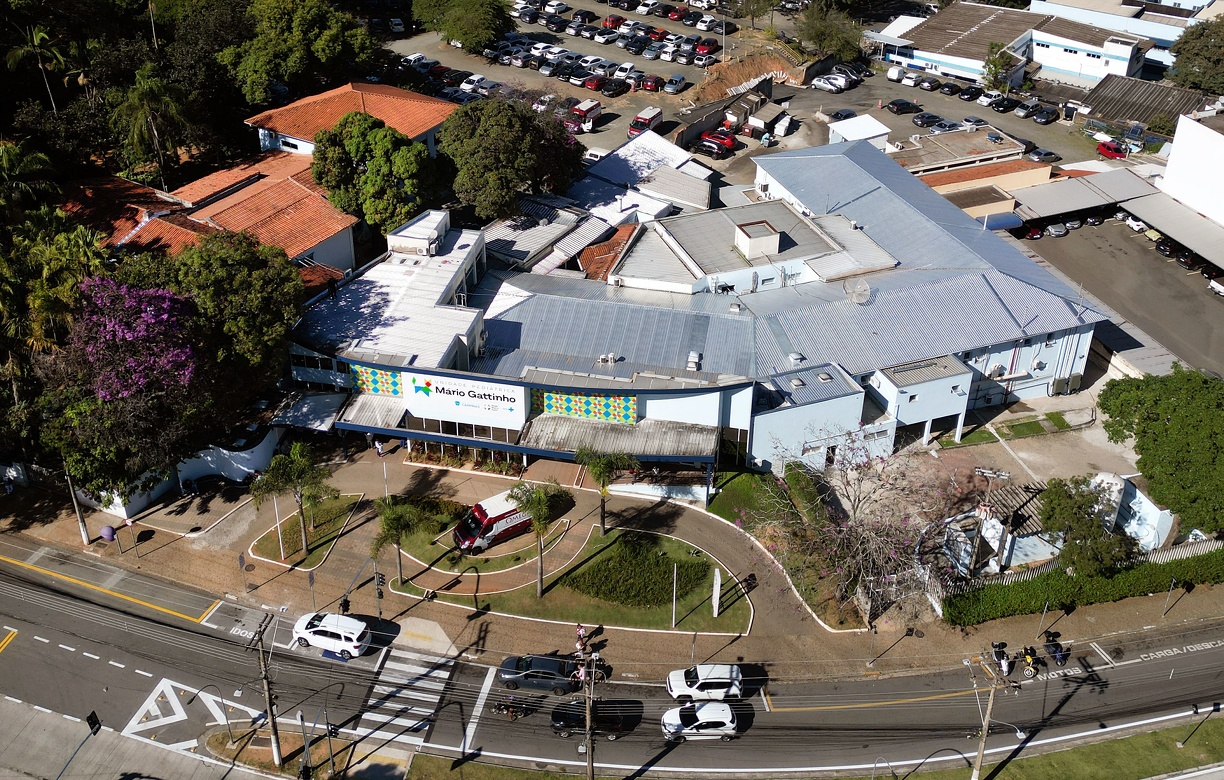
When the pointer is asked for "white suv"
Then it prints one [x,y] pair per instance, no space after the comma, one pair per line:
[345,636]
[706,681]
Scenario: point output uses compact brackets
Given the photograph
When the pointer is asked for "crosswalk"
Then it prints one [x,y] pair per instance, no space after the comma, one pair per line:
[404,699]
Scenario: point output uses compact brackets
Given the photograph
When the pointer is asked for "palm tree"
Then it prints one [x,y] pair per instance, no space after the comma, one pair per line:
[538,501]
[395,520]
[149,112]
[295,473]
[603,468]
[38,44]
[25,177]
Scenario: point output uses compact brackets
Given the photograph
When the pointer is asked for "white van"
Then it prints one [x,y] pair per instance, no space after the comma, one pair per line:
[647,119]
[493,520]
[895,73]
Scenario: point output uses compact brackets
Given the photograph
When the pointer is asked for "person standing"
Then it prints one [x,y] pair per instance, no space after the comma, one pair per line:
[378,446]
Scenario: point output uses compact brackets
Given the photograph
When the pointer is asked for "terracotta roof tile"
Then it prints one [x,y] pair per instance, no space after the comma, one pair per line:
[958,175]
[315,278]
[287,215]
[411,113]
[598,260]
[170,234]
[275,165]
[115,206]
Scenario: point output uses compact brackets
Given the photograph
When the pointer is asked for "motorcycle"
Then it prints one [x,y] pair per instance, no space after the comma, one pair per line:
[1031,661]
[1001,659]
[1055,650]
[510,708]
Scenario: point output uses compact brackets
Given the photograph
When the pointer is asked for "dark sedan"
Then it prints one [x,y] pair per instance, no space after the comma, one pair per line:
[1005,105]
[903,106]
[949,88]
[1045,115]
[970,92]
[607,717]
[926,119]
[542,672]
[710,149]
[614,88]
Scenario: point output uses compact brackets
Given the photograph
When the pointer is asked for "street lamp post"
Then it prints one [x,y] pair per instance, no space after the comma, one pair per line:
[224,714]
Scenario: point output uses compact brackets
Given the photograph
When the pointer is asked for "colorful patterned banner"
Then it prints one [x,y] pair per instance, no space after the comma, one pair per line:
[376,380]
[592,406]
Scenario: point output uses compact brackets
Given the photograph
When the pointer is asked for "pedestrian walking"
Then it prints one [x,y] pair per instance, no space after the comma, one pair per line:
[379,448]
[369,439]
[581,630]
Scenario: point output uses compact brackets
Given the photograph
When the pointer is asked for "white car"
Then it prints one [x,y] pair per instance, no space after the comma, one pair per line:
[668,52]
[412,59]
[706,22]
[622,70]
[713,682]
[704,60]
[629,27]
[838,80]
[699,720]
[647,7]
[910,79]
[674,39]
[988,97]
[589,61]
[543,102]
[472,82]
[606,36]
[556,7]
[540,49]
[1136,224]
[345,636]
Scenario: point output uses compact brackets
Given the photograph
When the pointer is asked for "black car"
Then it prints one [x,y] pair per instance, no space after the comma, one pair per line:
[1166,247]
[1188,260]
[586,17]
[1094,219]
[628,5]
[949,88]
[663,10]
[566,69]
[638,44]
[724,27]
[1028,145]
[929,83]
[903,106]
[692,18]
[1211,272]
[556,23]
[614,88]
[453,78]
[861,69]
[1005,105]
[607,717]
[845,113]
[711,149]
[1045,115]
[971,92]
[542,672]
[926,119]
[529,16]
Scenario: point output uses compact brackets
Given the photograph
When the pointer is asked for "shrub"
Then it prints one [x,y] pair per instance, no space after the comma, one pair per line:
[635,574]
[1063,591]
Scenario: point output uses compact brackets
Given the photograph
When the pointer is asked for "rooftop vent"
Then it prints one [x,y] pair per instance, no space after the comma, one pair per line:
[757,239]
[694,361]
[736,308]
[824,376]
[797,382]
[796,358]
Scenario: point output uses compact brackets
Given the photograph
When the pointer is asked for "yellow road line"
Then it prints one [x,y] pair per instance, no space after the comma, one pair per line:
[865,705]
[116,594]
[7,640]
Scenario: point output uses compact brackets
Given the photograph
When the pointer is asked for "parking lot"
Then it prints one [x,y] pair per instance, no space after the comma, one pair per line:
[1123,270]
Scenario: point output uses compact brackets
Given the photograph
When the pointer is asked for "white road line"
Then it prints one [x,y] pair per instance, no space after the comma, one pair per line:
[116,663]
[40,639]
[470,732]
[69,649]
[14,701]
[91,655]
[41,709]
[204,620]
[138,671]
[764,700]
[72,718]
[9,628]
[1104,655]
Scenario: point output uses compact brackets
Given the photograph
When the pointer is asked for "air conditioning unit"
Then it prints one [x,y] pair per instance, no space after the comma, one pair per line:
[763,187]
[997,370]
[617,282]
[1059,386]
[1073,384]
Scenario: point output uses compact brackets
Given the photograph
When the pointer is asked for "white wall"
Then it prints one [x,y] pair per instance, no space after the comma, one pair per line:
[1067,57]
[1196,168]
[783,434]
[697,408]
[336,251]
[1162,34]
[737,407]
[270,141]
[232,464]
[1029,370]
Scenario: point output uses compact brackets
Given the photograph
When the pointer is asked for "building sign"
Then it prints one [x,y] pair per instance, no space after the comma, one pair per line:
[465,400]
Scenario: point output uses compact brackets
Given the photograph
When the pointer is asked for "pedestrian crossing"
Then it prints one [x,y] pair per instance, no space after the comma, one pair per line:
[404,699]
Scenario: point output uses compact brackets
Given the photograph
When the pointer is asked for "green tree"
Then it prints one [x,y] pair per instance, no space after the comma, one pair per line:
[297,43]
[1177,423]
[38,46]
[1085,516]
[25,180]
[374,172]
[395,519]
[603,468]
[475,23]
[831,32]
[996,66]
[754,9]
[1162,124]
[297,474]
[502,150]
[1199,64]
[539,501]
[148,118]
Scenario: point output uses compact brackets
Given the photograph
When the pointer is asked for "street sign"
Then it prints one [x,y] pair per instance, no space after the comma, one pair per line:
[94,722]
[241,561]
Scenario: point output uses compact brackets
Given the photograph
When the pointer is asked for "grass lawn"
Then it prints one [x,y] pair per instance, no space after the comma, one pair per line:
[422,546]
[330,518]
[740,492]
[979,436]
[1028,428]
[1131,758]
[693,611]
[254,750]
[1059,421]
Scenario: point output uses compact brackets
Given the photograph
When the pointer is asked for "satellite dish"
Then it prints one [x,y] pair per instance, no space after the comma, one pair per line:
[857,290]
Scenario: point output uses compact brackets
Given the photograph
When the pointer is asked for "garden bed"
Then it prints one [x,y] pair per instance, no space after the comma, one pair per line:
[330,518]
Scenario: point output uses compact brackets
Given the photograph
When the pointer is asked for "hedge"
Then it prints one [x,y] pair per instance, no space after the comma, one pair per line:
[1063,591]
[633,573]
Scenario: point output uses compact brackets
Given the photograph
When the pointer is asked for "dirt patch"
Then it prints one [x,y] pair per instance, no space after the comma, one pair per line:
[725,75]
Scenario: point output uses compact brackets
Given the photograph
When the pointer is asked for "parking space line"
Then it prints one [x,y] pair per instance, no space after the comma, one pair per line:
[141,671]
[40,639]
[470,732]
[1104,655]
[116,663]
[91,655]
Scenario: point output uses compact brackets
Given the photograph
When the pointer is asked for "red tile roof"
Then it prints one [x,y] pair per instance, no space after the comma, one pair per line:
[975,172]
[115,206]
[284,214]
[411,113]
[271,165]
[170,234]
[598,260]
[316,277]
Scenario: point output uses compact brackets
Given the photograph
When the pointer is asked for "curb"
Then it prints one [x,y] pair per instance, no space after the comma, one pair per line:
[331,546]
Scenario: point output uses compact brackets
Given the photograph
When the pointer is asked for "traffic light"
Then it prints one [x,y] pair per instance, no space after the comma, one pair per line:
[344,605]
[305,772]
[333,730]
[378,593]
[380,580]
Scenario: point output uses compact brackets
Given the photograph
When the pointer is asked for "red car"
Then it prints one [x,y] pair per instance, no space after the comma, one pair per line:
[652,83]
[678,14]
[656,33]
[612,21]
[724,138]
[596,82]
[1111,150]
[707,46]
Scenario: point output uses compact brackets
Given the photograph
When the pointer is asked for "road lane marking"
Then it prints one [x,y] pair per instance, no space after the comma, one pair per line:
[116,594]
[91,655]
[1104,655]
[15,701]
[9,628]
[69,649]
[470,732]
[869,704]
[8,639]
[116,663]
[140,671]
[40,639]
[765,698]
[41,709]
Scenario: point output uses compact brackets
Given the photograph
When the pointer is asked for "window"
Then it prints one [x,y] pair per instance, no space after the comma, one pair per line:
[913,398]
[1070,51]
[874,435]
[1093,56]
[342,368]
[956,389]
[1043,45]
[450,428]
[288,144]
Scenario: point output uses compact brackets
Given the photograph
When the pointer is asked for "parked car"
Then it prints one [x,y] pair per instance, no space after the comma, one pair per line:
[710,149]
[842,114]
[556,7]
[1094,219]
[1033,232]
[946,126]
[646,7]
[652,83]
[529,16]
[692,18]
[606,36]
[988,97]
[699,720]
[1027,108]
[1073,223]
[679,13]
[1167,247]
[971,92]
[345,636]
[821,83]
[707,682]
[708,46]
[706,22]
[614,88]
[1042,155]
[1056,230]
[1211,272]
[700,60]
[675,84]
[613,21]
[1045,115]
[397,25]
[949,88]
[903,106]
[926,119]
[974,121]
[541,672]
[607,718]
[720,136]
[911,79]
[929,83]
[584,16]
[1005,105]
[1111,150]
[1135,224]
[663,10]
[1189,260]
[595,82]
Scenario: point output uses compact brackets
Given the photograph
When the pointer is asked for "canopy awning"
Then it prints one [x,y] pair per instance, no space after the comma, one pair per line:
[313,411]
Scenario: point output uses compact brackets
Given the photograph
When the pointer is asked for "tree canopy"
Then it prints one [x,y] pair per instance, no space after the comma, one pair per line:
[831,31]
[1199,64]
[1084,515]
[374,172]
[474,23]
[295,472]
[502,150]
[995,66]
[296,42]
[1177,423]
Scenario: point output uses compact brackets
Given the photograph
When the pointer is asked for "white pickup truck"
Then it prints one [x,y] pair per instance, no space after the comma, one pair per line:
[1217,287]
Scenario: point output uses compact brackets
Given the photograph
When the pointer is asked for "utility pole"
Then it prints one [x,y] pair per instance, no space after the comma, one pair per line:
[267,686]
[589,685]
[76,505]
[981,751]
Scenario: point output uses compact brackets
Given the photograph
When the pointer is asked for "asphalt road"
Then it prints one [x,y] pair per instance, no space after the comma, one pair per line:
[1123,270]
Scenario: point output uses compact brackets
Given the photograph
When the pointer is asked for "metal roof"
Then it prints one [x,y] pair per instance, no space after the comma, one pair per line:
[522,239]
[1181,223]
[967,29]
[677,187]
[371,410]
[313,411]
[1126,99]
[813,385]
[909,374]
[659,438]
[1082,192]
[615,204]
[589,232]
[651,258]
[637,158]
[858,128]
[708,238]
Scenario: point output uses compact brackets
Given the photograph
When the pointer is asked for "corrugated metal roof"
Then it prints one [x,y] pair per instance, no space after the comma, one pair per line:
[587,233]
[371,410]
[617,205]
[858,128]
[709,237]
[967,29]
[651,258]
[521,239]
[637,158]
[816,384]
[1125,99]
[677,187]
[909,374]
[1081,192]
[659,438]
[1181,223]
